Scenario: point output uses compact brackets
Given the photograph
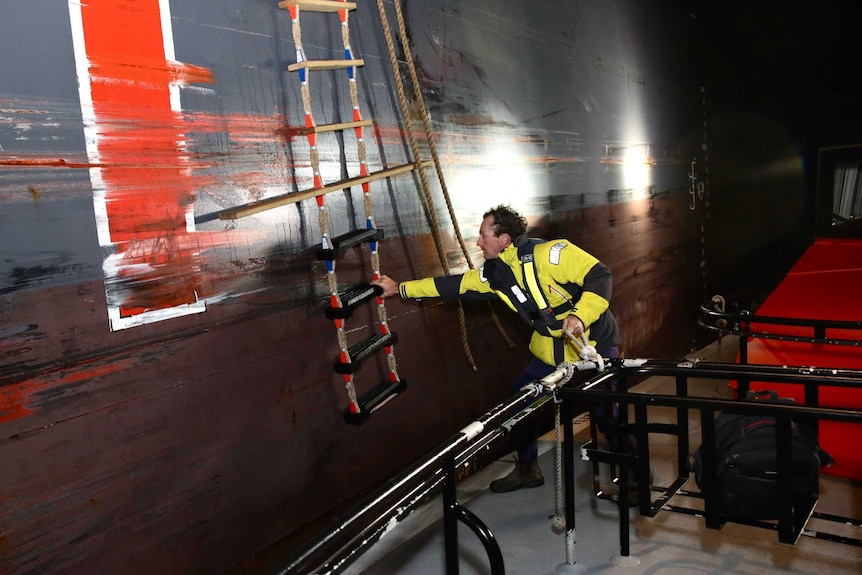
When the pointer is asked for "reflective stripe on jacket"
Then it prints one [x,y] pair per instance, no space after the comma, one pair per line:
[563,272]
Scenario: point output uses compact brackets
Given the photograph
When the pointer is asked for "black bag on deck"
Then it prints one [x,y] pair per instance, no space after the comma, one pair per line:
[747,465]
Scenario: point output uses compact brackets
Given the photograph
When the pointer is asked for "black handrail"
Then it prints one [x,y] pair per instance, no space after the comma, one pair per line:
[740,323]
[360,528]
[492,548]
[454,512]
[792,519]
[714,318]
[363,525]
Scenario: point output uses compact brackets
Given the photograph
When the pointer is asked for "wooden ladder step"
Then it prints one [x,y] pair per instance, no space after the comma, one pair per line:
[352,299]
[285,199]
[365,349]
[330,127]
[317,5]
[325,64]
[374,400]
[342,243]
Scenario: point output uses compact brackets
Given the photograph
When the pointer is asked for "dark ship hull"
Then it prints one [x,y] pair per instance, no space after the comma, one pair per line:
[168,401]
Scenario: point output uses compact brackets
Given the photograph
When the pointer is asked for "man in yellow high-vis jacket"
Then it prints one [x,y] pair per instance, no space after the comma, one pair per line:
[555,286]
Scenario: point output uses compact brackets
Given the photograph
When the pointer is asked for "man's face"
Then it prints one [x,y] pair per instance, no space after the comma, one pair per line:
[491,244]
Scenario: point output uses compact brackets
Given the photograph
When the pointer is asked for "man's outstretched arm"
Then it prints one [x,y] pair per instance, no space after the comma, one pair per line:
[469,285]
[390,286]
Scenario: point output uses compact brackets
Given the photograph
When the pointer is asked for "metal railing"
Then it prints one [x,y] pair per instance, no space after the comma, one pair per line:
[361,527]
[792,517]
[713,317]
[356,531]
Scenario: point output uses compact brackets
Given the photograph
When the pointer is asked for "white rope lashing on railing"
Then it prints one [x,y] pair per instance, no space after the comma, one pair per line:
[586,351]
[558,523]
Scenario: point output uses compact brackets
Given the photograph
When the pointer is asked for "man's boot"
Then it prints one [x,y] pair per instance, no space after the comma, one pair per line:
[524,475]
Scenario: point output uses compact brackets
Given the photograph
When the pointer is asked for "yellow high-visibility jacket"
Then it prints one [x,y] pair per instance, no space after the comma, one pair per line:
[543,281]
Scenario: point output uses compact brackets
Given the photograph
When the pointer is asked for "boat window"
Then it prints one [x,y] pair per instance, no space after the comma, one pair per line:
[839,192]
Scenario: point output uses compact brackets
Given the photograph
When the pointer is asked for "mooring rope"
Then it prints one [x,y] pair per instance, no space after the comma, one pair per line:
[424,186]
[423,179]
[432,146]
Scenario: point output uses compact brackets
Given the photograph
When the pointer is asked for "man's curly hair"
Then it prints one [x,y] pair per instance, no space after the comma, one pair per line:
[507,221]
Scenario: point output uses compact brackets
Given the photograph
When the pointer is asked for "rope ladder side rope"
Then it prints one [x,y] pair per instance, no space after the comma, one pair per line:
[350,357]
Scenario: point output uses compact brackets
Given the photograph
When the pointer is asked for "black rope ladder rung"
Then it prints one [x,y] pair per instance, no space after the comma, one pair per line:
[341,244]
[363,350]
[374,400]
[352,299]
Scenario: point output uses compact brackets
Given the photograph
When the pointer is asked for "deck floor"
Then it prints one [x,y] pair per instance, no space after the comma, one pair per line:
[669,543]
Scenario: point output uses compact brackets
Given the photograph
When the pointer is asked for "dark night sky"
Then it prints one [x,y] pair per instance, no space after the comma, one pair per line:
[794,62]
[781,82]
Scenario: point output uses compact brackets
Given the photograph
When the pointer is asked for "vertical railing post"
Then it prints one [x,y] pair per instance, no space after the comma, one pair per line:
[785,495]
[708,478]
[682,428]
[623,504]
[450,516]
[742,383]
